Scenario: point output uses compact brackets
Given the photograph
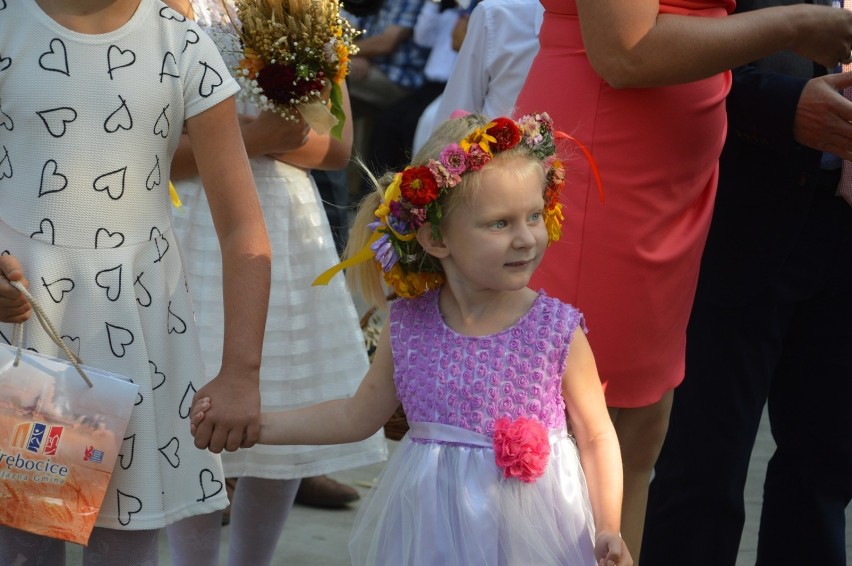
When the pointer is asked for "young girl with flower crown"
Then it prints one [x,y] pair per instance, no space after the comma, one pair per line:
[486,369]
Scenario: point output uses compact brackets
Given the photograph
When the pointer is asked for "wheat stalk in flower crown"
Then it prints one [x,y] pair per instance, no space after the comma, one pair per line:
[295,57]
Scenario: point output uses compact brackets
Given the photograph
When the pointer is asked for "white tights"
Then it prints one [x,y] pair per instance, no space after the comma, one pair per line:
[106,546]
[258,513]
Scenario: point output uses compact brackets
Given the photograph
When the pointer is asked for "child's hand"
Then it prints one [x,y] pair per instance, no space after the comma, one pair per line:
[14,307]
[200,407]
[610,550]
[232,420]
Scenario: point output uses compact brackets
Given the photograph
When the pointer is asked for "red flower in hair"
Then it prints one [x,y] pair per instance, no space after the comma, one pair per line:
[418,186]
[506,132]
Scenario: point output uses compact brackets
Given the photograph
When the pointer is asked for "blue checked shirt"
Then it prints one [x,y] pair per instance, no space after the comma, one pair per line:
[405,65]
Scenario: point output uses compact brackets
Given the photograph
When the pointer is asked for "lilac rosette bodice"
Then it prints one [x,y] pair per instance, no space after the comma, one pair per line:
[445,377]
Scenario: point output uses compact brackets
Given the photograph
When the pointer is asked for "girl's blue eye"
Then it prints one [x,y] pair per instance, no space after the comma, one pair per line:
[535,217]
[500,224]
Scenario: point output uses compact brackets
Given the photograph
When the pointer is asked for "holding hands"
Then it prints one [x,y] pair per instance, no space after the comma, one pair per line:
[232,424]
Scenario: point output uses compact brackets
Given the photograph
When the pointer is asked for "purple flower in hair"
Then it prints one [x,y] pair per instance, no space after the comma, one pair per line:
[453,157]
[384,252]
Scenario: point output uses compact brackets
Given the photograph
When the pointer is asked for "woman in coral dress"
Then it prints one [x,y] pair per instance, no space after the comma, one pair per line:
[643,85]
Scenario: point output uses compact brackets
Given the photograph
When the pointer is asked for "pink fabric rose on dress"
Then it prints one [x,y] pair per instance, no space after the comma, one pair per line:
[521,448]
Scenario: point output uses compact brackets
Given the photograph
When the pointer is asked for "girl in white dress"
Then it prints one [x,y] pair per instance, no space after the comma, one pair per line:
[313,348]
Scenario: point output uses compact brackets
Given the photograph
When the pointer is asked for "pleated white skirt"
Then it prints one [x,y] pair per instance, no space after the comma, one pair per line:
[314,348]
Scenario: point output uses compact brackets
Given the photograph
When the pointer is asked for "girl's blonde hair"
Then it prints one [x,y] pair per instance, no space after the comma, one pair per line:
[366,277]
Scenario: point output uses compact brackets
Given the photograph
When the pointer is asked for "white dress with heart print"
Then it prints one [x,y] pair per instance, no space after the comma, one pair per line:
[88,127]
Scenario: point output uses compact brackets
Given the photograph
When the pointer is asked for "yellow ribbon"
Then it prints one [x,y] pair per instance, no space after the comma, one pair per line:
[363,254]
[174,194]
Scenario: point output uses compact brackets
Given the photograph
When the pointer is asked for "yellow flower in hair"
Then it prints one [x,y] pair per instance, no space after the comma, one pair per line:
[410,285]
[480,137]
[553,218]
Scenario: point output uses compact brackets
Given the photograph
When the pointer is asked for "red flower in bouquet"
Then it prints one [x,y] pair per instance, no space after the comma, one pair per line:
[418,185]
[281,84]
[506,132]
[521,448]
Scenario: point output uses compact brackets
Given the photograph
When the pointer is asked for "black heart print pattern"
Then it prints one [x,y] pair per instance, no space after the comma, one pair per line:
[73,343]
[170,452]
[158,378]
[106,239]
[128,505]
[191,39]
[59,288]
[118,58]
[161,242]
[5,165]
[55,58]
[176,323]
[210,80]
[110,281]
[210,486]
[52,181]
[139,397]
[168,14]
[56,120]
[185,407]
[119,339]
[154,178]
[45,232]
[125,454]
[112,183]
[169,67]
[143,296]
[119,119]
[6,120]
[2,4]
[5,338]
[162,125]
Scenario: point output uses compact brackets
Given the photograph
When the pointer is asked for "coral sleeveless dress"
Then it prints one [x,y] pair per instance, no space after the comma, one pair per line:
[630,263]
[442,500]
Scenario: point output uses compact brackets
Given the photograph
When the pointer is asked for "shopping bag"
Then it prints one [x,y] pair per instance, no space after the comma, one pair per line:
[59,439]
[61,426]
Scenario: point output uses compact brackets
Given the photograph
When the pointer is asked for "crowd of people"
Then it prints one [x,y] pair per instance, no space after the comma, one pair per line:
[608,235]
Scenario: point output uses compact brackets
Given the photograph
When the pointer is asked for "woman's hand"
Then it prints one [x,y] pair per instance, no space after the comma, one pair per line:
[270,134]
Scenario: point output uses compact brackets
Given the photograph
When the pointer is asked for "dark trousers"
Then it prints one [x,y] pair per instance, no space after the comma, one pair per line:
[790,347]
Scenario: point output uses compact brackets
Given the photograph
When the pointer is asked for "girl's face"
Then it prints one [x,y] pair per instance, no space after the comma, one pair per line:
[498,240]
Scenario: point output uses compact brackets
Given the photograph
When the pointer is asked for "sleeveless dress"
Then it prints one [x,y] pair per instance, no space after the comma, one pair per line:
[313,349]
[88,127]
[441,499]
[630,263]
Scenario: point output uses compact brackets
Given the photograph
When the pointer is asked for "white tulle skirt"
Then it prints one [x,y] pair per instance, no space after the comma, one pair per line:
[313,349]
[443,501]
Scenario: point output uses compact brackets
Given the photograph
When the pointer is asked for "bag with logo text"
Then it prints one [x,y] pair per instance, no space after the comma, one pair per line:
[59,439]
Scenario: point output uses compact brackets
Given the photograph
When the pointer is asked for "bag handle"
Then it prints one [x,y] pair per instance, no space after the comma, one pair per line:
[18,334]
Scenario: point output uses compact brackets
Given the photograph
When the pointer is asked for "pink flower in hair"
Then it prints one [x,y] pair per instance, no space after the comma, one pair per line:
[521,448]
[477,158]
[454,159]
[443,175]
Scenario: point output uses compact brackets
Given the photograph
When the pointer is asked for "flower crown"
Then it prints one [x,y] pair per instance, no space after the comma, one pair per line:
[414,197]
